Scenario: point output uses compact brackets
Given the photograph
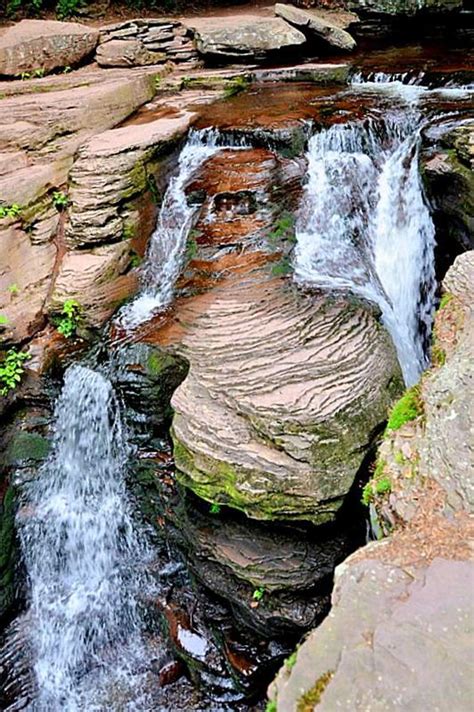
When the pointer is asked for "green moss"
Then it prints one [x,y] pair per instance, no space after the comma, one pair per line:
[438,355]
[291,661]
[157,363]
[282,267]
[27,446]
[445,299]
[271,706]
[236,86]
[312,697]
[409,407]
[128,231]
[378,485]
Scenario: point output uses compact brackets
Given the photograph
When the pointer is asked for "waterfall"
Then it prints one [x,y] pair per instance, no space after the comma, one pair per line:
[168,242]
[364,226]
[82,554]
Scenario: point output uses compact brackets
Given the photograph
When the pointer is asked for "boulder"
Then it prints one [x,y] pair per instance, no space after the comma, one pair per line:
[44,44]
[403,7]
[318,26]
[248,41]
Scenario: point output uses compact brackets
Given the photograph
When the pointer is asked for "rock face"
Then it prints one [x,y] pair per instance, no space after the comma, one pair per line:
[448,171]
[248,41]
[404,7]
[318,26]
[285,389]
[44,44]
[397,636]
[141,42]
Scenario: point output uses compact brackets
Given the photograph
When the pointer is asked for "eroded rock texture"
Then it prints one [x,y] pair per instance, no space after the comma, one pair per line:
[398,633]
[327,28]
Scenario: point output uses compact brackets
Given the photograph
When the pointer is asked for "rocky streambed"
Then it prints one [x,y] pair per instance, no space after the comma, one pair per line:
[253,376]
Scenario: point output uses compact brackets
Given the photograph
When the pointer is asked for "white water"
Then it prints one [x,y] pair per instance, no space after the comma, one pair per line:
[168,242]
[82,554]
[364,226]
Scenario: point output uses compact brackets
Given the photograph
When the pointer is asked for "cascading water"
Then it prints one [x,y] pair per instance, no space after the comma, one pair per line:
[364,226]
[83,555]
[168,242]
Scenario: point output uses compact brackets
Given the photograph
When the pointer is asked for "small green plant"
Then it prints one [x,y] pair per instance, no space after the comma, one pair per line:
[67,8]
[191,248]
[258,594]
[128,231]
[284,228]
[135,260]
[3,320]
[39,73]
[215,508]
[157,80]
[68,321]
[445,299]
[25,75]
[11,370]
[271,706]
[438,355]
[185,82]
[67,69]
[282,268]
[380,484]
[290,662]
[409,407]
[236,86]
[10,211]
[60,200]
[13,289]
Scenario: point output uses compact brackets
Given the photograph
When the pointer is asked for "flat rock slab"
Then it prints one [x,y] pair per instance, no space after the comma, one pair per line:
[44,44]
[394,640]
[247,41]
[317,25]
[403,7]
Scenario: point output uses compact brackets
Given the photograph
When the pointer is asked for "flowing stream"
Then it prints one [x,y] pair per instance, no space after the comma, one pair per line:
[84,557]
[364,226]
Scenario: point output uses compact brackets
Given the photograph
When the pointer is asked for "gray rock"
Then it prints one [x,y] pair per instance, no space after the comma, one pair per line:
[404,7]
[317,26]
[248,41]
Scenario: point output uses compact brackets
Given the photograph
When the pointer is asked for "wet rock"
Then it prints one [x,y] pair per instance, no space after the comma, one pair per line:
[447,164]
[44,44]
[318,26]
[248,41]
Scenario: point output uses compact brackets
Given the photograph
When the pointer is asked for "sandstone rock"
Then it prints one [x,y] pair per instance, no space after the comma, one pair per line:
[60,120]
[246,42]
[317,26]
[308,72]
[448,171]
[96,279]
[11,161]
[404,7]
[25,273]
[44,44]
[127,53]
[111,170]
[393,640]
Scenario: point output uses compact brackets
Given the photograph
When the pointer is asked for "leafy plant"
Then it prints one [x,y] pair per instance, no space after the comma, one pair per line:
[215,508]
[11,370]
[67,8]
[13,288]
[445,299]
[3,320]
[10,211]
[409,407]
[379,485]
[258,593]
[281,268]
[60,200]
[290,662]
[271,706]
[67,69]
[135,259]
[68,322]
[284,228]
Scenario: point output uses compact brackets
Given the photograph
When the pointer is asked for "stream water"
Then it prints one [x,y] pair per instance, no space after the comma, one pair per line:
[363,226]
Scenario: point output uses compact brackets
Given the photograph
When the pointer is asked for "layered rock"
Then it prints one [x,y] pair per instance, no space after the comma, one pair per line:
[325,27]
[398,635]
[255,40]
[44,45]
[147,41]
[285,389]
[404,7]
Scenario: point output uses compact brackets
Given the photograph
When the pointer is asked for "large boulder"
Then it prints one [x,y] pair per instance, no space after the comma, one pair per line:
[44,44]
[317,25]
[248,41]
